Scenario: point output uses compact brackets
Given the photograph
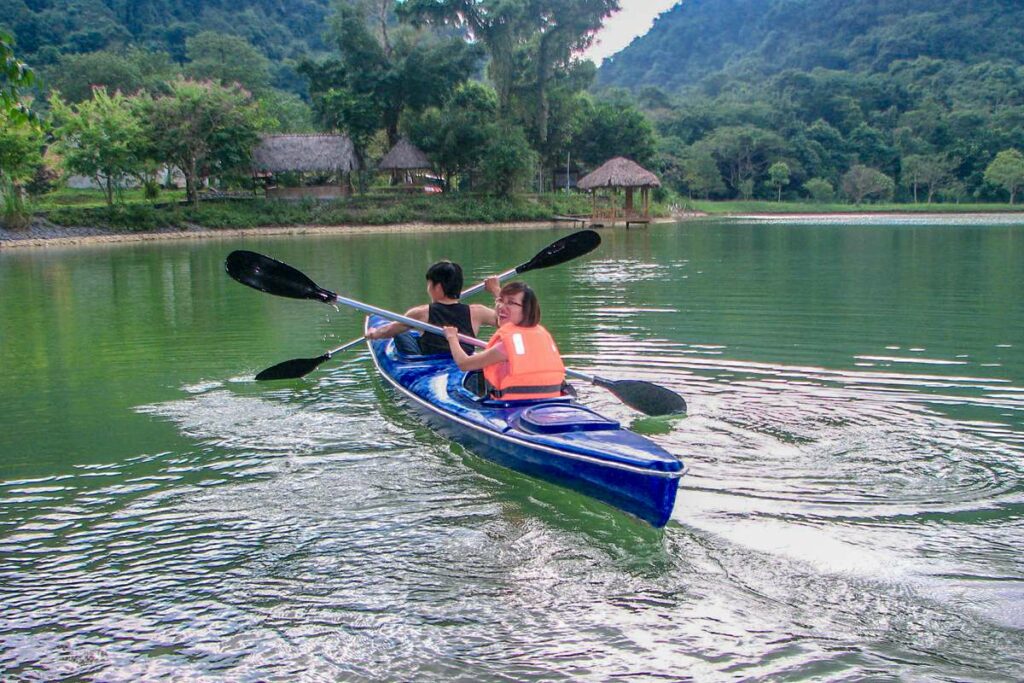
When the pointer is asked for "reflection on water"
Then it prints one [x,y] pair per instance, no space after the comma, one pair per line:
[853,511]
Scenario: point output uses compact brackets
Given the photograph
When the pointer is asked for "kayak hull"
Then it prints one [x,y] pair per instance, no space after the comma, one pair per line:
[557,440]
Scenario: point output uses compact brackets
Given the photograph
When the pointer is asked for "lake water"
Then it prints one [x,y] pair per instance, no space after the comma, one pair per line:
[854,510]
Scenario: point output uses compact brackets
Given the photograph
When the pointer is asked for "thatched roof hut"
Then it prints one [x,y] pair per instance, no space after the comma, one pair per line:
[304,153]
[404,156]
[619,172]
[616,173]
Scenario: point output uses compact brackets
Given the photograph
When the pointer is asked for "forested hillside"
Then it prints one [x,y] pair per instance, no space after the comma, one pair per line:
[44,28]
[747,39]
[917,97]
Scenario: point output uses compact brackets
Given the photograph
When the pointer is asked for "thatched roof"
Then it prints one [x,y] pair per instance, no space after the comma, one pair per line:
[619,172]
[305,152]
[404,156]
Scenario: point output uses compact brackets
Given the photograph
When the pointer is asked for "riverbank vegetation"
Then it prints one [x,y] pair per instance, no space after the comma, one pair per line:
[369,209]
[497,96]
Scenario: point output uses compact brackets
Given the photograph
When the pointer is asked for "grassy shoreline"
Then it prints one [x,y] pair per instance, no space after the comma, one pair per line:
[82,217]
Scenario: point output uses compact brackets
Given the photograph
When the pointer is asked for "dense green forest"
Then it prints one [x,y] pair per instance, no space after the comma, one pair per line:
[46,28]
[810,100]
[927,92]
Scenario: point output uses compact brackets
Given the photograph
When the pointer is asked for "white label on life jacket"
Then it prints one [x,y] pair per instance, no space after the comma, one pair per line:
[517,342]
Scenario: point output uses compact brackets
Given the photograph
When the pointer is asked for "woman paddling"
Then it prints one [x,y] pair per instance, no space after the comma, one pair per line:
[521,360]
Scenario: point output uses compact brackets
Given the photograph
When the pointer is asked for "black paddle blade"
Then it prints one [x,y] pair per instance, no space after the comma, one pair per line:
[566,249]
[648,398]
[271,276]
[292,369]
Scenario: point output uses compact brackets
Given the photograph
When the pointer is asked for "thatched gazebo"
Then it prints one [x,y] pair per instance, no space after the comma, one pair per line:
[404,158]
[306,153]
[616,173]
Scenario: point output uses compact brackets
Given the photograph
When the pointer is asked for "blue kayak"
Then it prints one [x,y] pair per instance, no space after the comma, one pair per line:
[554,439]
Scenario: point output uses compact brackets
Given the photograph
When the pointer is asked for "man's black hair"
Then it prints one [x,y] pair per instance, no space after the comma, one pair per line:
[449,276]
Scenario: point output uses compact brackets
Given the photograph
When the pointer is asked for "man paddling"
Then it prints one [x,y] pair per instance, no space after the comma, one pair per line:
[444,287]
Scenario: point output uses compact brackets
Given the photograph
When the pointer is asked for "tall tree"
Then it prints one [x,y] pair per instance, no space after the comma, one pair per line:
[778,176]
[531,43]
[567,28]
[100,138]
[379,73]
[861,182]
[1007,171]
[499,25]
[202,129]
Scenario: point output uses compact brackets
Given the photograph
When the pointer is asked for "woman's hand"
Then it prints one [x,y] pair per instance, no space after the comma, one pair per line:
[451,334]
[493,285]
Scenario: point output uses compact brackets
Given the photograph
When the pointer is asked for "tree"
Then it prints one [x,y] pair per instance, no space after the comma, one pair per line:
[456,136]
[20,149]
[99,138]
[1007,171]
[507,160]
[202,129]
[744,151]
[227,59]
[529,41]
[15,75]
[381,73]
[819,189]
[499,25]
[567,28]
[931,171]
[611,129]
[75,75]
[778,175]
[861,182]
[701,174]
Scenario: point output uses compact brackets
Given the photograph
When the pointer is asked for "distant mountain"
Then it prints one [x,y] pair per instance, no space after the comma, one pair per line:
[44,28]
[751,39]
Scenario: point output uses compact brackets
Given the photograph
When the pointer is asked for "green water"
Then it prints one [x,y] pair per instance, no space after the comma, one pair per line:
[855,505]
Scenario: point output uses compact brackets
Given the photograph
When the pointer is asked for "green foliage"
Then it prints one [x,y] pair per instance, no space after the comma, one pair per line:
[861,182]
[456,135]
[507,160]
[15,75]
[819,190]
[75,75]
[100,138]
[377,77]
[227,59]
[1007,171]
[20,149]
[202,129]
[754,39]
[612,129]
[778,175]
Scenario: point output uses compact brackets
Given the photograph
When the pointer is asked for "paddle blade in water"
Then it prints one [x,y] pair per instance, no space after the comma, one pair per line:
[271,276]
[292,369]
[566,249]
[648,398]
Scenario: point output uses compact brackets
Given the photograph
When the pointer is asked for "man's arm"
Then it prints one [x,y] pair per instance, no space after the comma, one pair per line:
[420,313]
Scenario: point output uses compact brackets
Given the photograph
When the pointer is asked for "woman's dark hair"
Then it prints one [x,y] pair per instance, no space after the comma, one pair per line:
[449,276]
[531,306]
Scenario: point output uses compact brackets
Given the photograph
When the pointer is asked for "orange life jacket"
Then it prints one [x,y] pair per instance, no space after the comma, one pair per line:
[534,368]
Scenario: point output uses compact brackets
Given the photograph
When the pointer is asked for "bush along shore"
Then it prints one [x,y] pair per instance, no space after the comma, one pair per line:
[238,213]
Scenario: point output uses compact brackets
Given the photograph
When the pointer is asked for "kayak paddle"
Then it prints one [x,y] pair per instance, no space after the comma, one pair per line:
[565,249]
[274,277]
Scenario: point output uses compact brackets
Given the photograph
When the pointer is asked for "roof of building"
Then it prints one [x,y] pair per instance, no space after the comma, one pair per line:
[305,152]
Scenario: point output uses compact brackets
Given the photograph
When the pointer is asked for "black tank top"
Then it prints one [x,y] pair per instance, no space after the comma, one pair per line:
[456,315]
